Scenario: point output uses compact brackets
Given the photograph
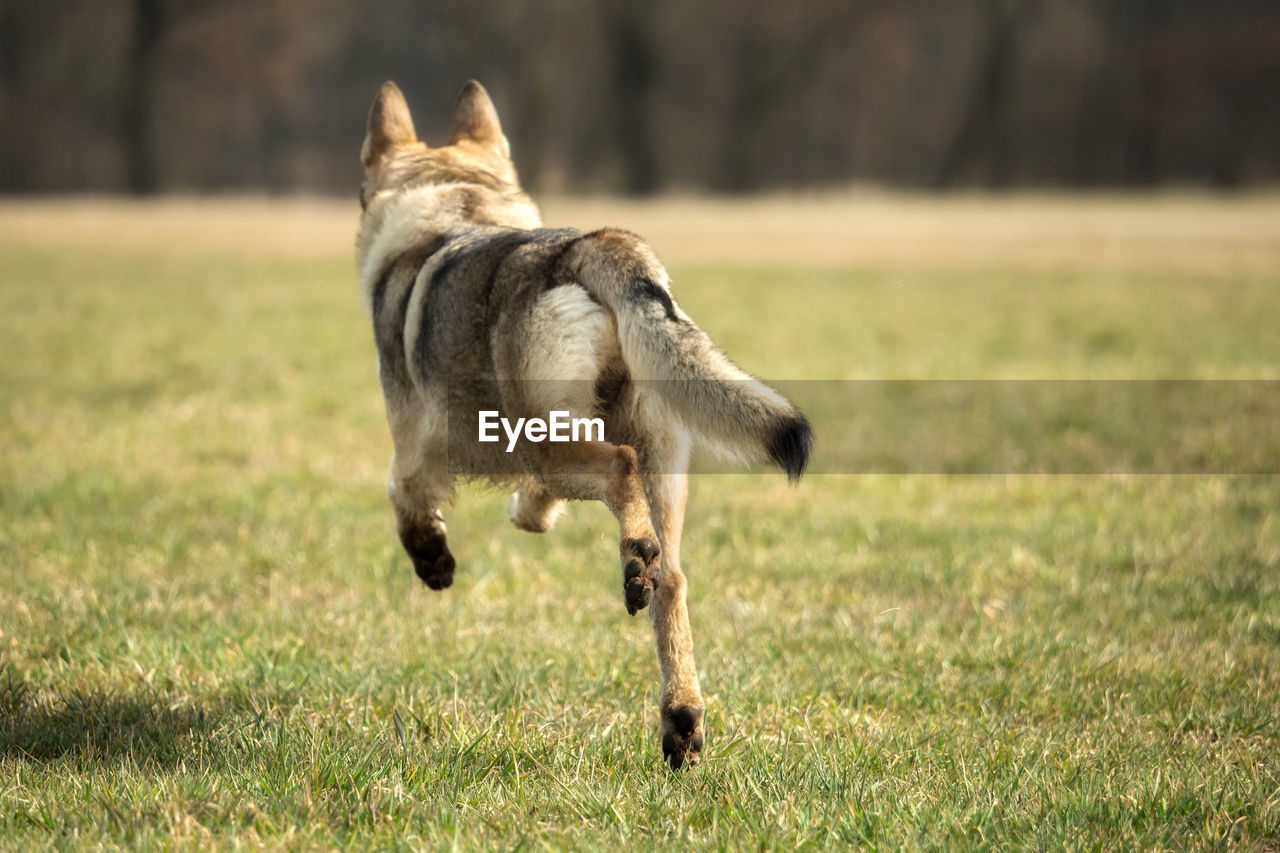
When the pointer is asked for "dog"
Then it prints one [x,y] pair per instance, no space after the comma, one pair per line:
[478,309]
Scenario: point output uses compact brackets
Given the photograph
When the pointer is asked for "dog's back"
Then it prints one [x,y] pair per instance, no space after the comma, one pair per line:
[465,286]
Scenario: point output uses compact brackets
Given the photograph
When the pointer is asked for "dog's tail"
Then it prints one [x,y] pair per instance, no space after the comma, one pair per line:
[737,416]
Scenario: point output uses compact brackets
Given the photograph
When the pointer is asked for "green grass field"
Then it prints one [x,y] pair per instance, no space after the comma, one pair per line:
[209,635]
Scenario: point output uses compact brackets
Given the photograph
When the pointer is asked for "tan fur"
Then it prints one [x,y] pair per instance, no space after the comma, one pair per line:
[476,307]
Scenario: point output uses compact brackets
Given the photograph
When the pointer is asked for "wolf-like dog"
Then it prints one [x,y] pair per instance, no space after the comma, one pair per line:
[477,307]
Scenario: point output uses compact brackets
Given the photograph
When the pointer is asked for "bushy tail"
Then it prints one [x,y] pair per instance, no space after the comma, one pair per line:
[738,416]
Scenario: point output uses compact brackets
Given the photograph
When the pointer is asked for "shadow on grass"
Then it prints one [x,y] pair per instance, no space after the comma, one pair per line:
[139,724]
[142,725]
[97,726]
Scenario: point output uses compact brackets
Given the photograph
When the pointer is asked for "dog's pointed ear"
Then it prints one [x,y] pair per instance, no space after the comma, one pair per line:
[389,124]
[476,120]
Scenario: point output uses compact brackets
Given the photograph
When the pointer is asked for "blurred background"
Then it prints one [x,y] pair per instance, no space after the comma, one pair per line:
[727,96]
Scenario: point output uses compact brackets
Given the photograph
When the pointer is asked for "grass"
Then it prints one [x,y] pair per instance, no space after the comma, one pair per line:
[209,636]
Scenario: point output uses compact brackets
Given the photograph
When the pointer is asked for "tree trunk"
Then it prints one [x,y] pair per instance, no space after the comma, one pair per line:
[135,119]
[980,134]
[629,26]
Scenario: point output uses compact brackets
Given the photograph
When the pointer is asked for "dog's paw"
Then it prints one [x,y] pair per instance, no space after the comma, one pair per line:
[682,735]
[640,565]
[437,573]
[432,560]
[533,514]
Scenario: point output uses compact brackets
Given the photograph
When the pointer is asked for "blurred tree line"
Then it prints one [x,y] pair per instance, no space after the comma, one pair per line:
[622,95]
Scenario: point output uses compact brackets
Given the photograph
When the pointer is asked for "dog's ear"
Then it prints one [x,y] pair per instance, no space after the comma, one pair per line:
[476,120]
[389,124]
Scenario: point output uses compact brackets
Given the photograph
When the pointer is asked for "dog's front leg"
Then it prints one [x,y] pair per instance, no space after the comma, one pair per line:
[416,493]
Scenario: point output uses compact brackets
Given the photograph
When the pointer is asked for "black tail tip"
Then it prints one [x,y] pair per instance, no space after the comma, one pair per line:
[791,444]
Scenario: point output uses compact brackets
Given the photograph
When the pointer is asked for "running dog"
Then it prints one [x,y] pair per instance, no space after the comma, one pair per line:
[479,310]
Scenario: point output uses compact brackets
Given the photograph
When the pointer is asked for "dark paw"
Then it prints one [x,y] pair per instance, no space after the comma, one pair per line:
[682,735]
[644,548]
[637,592]
[436,574]
[431,558]
[639,572]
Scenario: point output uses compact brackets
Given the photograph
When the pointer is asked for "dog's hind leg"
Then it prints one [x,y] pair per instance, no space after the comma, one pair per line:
[608,473]
[664,459]
[416,496]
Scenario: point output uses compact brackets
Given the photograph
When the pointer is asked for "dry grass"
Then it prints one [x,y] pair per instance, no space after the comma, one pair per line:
[1182,232]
